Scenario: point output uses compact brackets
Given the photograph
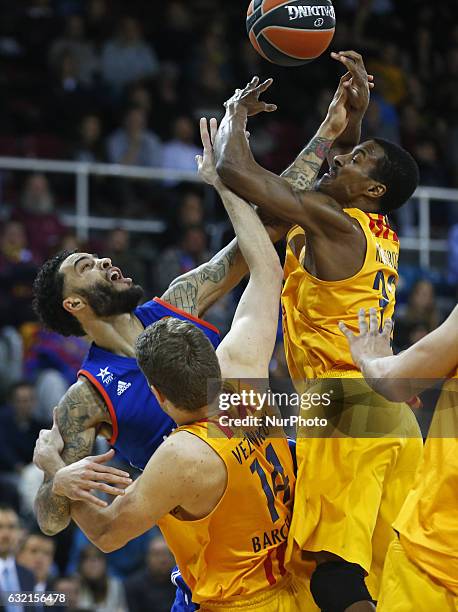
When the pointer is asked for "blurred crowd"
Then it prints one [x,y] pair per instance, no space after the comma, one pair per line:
[85,80]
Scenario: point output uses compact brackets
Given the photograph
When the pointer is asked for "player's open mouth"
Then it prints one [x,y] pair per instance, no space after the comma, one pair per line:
[114,275]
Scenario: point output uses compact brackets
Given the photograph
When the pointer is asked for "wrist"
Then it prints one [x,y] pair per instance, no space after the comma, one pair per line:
[327,130]
[52,466]
[237,112]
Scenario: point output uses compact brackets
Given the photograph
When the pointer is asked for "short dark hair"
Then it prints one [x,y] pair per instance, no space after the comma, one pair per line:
[399,172]
[34,533]
[48,294]
[178,359]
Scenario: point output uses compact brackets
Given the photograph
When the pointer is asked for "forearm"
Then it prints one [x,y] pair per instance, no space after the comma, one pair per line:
[52,511]
[253,240]
[95,523]
[349,138]
[302,173]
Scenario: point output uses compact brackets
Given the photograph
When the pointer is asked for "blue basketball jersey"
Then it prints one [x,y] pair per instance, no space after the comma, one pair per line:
[139,424]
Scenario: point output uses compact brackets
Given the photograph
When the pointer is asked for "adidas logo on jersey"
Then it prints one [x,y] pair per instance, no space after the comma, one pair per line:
[123,386]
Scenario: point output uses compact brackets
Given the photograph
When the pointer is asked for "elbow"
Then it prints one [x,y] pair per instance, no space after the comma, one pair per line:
[104,543]
[49,530]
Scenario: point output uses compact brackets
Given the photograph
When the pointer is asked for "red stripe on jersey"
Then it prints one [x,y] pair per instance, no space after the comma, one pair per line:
[386,233]
[186,314]
[268,568]
[281,558]
[107,400]
[371,225]
[395,237]
[227,431]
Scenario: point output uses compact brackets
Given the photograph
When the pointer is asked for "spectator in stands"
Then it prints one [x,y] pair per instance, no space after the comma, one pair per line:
[13,577]
[191,210]
[99,21]
[70,587]
[422,307]
[17,272]
[390,73]
[188,254]
[36,553]
[70,96]
[420,317]
[37,213]
[381,119]
[180,152]
[128,57]
[74,41]
[98,591]
[19,428]
[133,144]
[150,588]
[119,250]
[90,147]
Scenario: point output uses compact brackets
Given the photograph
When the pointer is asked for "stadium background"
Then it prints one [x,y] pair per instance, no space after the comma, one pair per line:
[86,81]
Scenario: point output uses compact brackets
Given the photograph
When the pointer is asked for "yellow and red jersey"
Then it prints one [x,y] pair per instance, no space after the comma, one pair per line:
[427,523]
[237,551]
[312,308]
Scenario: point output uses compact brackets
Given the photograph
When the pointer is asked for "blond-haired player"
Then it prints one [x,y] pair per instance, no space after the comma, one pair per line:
[421,568]
[221,493]
[341,255]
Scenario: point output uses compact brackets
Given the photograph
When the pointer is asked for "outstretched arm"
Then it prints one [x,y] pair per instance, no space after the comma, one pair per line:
[249,345]
[434,356]
[358,85]
[240,172]
[148,499]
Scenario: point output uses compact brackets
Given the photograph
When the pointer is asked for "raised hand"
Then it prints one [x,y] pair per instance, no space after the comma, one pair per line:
[206,168]
[337,117]
[75,481]
[370,344]
[249,97]
[356,81]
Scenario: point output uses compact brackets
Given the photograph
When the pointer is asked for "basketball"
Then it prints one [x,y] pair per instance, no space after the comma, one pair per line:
[290,33]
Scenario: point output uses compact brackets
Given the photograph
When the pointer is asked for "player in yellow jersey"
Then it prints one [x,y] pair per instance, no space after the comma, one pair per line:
[221,493]
[421,568]
[341,255]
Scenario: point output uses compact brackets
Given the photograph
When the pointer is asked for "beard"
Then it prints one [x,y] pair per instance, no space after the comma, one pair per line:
[106,301]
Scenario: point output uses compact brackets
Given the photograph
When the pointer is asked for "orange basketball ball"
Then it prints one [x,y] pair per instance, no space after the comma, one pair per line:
[290,33]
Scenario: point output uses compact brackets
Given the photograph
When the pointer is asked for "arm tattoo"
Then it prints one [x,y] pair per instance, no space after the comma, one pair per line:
[196,290]
[78,412]
[302,173]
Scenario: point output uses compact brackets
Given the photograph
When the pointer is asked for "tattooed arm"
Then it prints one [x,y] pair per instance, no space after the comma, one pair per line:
[302,173]
[79,414]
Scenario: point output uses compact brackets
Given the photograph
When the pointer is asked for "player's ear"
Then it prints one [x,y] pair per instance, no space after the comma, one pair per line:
[73,304]
[376,190]
[157,394]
